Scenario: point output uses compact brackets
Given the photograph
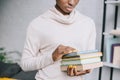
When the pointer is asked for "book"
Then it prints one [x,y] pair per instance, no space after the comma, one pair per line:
[83,55]
[80,52]
[84,66]
[71,58]
[115,54]
[109,41]
[75,58]
[81,61]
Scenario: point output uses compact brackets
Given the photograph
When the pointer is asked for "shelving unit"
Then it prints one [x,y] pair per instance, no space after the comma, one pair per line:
[115,3]
[112,38]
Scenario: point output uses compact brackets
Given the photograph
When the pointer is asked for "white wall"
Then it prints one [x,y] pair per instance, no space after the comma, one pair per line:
[15,16]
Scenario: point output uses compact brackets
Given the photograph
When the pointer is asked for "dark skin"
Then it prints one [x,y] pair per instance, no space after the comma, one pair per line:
[66,7]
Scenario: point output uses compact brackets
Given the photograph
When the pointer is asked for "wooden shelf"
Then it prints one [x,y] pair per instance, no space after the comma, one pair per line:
[117,3]
[111,65]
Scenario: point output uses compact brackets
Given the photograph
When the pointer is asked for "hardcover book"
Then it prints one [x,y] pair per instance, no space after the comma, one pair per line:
[80,52]
[81,61]
[84,66]
[109,42]
[83,55]
[115,54]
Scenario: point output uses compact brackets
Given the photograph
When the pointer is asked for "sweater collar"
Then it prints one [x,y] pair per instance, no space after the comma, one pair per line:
[64,19]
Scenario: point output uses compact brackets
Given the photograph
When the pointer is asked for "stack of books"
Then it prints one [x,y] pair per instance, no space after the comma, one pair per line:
[83,60]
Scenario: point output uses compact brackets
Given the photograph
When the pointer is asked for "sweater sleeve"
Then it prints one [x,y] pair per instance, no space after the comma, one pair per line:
[32,57]
[92,37]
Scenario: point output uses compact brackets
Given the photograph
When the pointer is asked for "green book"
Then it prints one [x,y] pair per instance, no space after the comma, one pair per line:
[81,61]
[84,66]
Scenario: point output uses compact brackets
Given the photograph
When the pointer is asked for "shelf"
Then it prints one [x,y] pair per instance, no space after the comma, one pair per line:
[111,65]
[110,34]
[113,32]
[117,3]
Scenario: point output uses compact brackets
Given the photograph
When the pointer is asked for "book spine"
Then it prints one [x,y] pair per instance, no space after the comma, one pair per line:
[90,55]
[80,52]
[83,61]
[84,67]
[92,66]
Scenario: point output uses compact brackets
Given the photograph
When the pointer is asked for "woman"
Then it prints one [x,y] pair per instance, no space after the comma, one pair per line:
[61,30]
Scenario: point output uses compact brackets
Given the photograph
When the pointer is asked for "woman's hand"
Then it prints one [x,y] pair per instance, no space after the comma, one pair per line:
[72,71]
[62,50]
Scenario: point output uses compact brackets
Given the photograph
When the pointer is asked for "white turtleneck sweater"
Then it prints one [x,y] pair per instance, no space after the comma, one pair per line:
[49,30]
